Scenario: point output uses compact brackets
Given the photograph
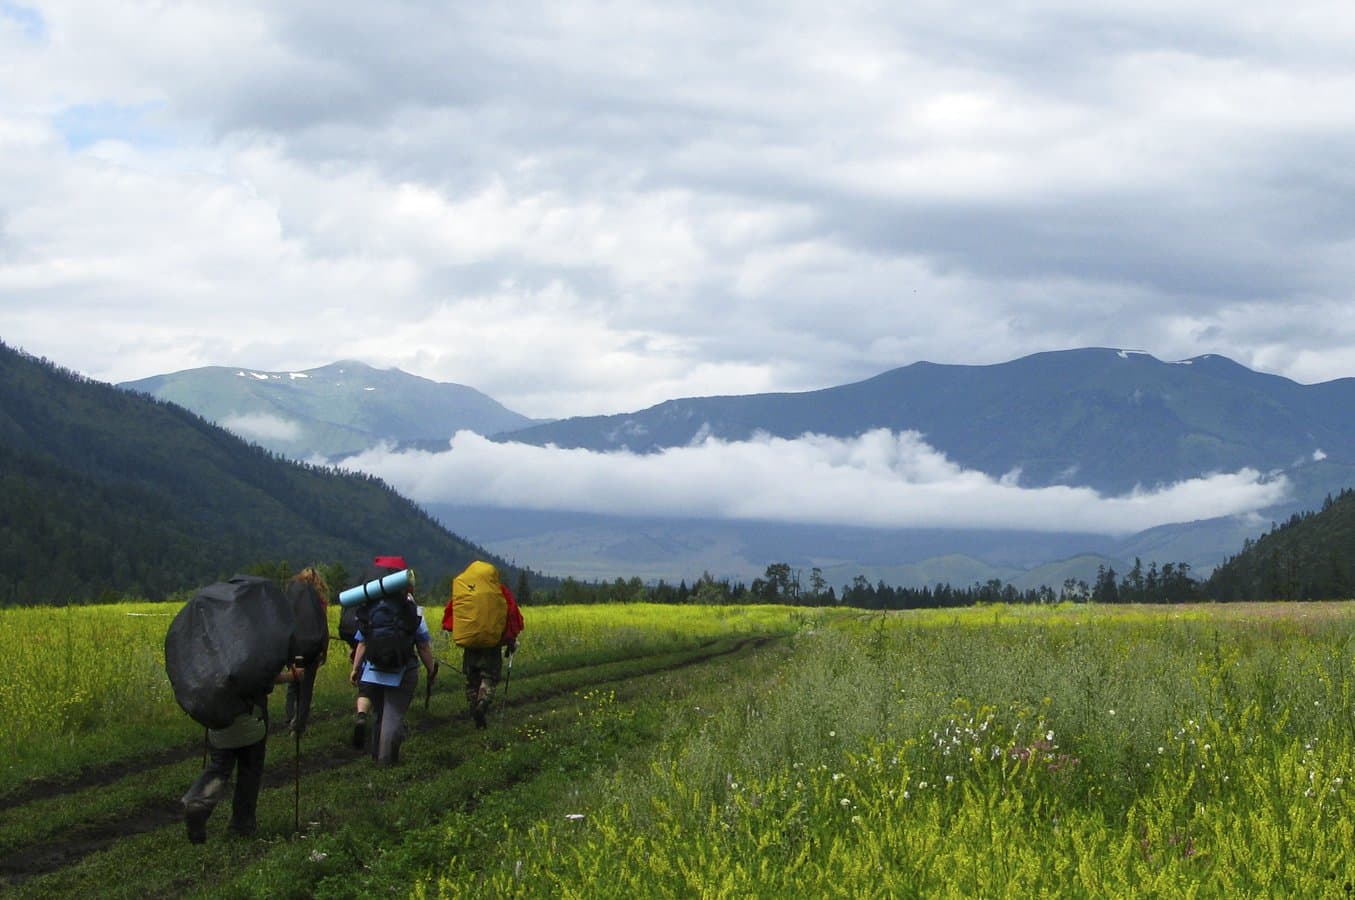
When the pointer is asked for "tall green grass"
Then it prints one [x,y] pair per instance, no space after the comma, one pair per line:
[991,752]
[73,671]
[87,684]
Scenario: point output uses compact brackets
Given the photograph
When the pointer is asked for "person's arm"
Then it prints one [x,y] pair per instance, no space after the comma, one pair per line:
[430,662]
[359,654]
[290,675]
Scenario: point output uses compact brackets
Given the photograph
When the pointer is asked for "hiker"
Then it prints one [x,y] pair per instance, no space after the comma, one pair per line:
[488,631]
[392,640]
[239,746]
[348,632]
[310,594]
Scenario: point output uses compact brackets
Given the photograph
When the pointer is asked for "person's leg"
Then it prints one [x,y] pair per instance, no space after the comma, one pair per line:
[394,706]
[472,675]
[481,666]
[363,719]
[205,792]
[248,778]
[299,701]
[490,665]
[380,700]
[293,693]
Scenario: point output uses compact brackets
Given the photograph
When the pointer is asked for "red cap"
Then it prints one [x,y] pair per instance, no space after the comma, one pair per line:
[390,562]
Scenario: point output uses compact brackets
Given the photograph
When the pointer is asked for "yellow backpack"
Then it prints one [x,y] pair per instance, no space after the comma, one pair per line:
[479,612]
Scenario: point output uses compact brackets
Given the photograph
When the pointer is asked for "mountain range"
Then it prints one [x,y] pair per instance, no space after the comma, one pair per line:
[332,411]
[1107,419]
[1111,420]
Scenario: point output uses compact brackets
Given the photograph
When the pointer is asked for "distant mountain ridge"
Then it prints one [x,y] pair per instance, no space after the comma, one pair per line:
[1113,420]
[1103,418]
[106,491]
[332,411]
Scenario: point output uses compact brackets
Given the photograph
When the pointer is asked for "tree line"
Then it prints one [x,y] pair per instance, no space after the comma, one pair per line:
[783,584]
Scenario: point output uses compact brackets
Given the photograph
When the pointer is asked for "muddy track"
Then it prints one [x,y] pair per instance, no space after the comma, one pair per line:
[52,854]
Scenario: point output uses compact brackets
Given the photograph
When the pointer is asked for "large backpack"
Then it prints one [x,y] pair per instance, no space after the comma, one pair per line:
[388,628]
[478,609]
[225,647]
[310,637]
[348,626]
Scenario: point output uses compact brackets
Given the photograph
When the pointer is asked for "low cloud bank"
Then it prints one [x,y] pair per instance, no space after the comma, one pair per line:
[880,479]
[260,426]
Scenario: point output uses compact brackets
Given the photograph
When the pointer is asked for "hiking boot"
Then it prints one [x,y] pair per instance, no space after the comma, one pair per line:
[480,711]
[242,831]
[195,821]
[359,731]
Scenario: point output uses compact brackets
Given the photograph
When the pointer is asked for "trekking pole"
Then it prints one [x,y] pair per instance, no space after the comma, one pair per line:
[428,688]
[503,704]
[296,764]
[296,780]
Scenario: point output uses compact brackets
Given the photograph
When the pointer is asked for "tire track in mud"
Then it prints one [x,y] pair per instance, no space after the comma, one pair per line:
[50,854]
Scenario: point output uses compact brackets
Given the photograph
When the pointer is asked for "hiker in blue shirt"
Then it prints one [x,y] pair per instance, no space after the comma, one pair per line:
[392,640]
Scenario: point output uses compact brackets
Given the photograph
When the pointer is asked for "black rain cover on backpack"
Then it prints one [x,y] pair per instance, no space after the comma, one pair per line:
[225,647]
[348,626]
[388,628]
[310,636]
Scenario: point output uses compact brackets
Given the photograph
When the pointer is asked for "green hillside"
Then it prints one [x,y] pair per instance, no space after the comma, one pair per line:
[1309,557]
[106,492]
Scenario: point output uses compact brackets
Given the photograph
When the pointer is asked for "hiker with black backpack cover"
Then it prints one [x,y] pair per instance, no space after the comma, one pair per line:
[393,640]
[240,748]
[224,651]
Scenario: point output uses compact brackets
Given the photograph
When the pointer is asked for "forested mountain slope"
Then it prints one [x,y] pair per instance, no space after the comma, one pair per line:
[1309,557]
[104,491]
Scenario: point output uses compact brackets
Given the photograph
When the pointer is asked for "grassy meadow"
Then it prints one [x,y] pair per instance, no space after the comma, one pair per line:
[730,752]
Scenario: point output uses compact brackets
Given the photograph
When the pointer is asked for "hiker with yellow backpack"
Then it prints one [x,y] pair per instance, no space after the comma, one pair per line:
[483,619]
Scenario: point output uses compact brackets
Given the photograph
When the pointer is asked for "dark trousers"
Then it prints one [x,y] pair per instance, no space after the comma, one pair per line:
[210,787]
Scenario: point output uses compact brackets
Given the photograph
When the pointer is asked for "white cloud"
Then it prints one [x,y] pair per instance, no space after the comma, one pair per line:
[878,480]
[259,426]
[694,198]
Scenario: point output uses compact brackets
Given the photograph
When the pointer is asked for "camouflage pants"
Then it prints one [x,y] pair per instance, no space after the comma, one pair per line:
[483,667]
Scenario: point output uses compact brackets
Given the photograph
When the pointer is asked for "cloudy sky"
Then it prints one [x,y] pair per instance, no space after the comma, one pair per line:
[584,208]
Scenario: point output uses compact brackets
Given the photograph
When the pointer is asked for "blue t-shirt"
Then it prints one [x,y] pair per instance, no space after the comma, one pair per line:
[392,679]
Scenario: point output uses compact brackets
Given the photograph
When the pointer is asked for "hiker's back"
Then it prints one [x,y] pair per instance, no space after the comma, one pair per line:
[388,626]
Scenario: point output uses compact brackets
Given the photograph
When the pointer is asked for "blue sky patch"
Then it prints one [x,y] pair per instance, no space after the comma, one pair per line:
[29,19]
[88,124]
